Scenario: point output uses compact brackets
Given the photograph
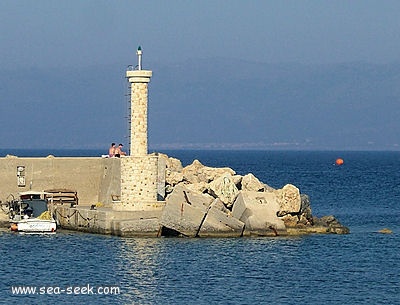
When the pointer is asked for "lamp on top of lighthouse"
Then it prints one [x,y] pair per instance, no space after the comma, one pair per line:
[139,54]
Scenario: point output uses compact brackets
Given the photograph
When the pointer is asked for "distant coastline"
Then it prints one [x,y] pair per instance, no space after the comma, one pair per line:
[98,151]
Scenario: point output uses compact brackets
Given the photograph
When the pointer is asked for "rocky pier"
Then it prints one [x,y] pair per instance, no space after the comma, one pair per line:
[203,201]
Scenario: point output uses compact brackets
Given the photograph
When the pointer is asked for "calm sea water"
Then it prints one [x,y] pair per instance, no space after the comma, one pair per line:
[359,268]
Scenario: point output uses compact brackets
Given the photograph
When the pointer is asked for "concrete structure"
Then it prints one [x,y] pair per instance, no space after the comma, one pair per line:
[95,179]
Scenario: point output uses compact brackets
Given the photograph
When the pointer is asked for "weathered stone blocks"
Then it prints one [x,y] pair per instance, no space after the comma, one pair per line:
[224,188]
[139,99]
[197,172]
[289,200]
[139,181]
[250,183]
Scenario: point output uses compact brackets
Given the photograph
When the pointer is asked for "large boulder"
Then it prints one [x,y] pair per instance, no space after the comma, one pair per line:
[173,164]
[303,218]
[173,171]
[251,183]
[268,188]
[332,224]
[258,210]
[185,211]
[305,210]
[224,188]
[173,178]
[197,172]
[200,187]
[289,200]
[237,179]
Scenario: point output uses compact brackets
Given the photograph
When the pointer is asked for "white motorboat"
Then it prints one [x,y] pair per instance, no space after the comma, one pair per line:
[30,214]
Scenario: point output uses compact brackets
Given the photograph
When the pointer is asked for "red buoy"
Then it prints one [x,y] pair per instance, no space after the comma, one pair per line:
[339,161]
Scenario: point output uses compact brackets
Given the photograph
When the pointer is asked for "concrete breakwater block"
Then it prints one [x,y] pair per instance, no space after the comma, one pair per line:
[258,210]
[220,224]
[185,211]
[193,214]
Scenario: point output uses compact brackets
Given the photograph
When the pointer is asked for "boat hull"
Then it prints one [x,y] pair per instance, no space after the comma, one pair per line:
[35,226]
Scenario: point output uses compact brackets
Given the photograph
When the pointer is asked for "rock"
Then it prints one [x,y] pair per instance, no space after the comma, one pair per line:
[173,178]
[197,172]
[191,172]
[289,200]
[200,187]
[258,210]
[268,188]
[305,216]
[200,199]
[185,211]
[172,164]
[251,183]
[290,221]
[305,208]
[300,219]
[385,231]
[173,172]
[237,179]
[224,188]
[332,225]
[220,224]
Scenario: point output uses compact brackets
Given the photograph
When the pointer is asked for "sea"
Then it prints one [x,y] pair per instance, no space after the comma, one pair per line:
[362,267]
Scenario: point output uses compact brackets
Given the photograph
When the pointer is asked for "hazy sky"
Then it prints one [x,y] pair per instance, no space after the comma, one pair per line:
[78,32]
[83,37]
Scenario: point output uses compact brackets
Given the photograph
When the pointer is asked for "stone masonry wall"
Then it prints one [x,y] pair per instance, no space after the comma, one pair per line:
[139,96]
[139,182]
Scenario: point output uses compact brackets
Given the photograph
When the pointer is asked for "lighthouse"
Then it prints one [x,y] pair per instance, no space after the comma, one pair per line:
[142,174]
[139,80]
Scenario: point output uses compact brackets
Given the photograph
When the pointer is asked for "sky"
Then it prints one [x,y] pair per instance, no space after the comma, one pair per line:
[48,37]
[78,33]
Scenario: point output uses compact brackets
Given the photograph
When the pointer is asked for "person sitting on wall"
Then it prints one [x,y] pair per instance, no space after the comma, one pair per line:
[111,150]
[119,152]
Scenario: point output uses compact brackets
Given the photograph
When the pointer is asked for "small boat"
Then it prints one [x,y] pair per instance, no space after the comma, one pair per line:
[31,214]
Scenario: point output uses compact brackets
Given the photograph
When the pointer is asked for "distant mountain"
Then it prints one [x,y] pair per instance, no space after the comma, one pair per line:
[213,103]
[244,104]
[62,108]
